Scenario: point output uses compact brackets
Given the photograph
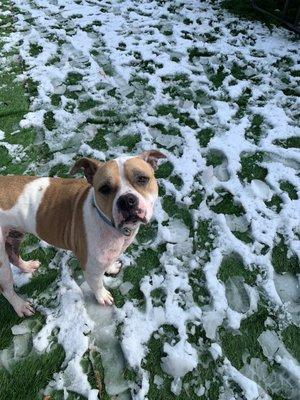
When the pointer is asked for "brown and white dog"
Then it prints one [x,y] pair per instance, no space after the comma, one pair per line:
[96,218]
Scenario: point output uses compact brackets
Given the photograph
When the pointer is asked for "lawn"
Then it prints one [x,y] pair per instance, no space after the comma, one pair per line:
[208,303]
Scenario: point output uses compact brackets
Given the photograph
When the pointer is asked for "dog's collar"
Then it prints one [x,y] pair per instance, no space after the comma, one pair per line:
[124,230]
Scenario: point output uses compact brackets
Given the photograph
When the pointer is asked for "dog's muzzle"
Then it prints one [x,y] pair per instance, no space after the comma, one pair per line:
[130,215]
[128,207]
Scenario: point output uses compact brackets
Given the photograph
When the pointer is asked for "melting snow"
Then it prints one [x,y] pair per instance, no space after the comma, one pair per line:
[107,58]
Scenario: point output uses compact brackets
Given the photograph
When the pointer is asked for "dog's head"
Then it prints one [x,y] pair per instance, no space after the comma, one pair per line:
[125,188]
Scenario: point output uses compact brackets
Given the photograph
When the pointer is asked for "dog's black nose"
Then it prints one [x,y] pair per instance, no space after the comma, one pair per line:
[127,202]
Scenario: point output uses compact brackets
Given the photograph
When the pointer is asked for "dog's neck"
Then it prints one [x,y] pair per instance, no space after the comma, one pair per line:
[101,213]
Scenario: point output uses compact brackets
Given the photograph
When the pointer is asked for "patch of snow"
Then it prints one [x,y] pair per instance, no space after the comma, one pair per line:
[274,349]
[104,340]
[179,360]
[21,328]
[74,324]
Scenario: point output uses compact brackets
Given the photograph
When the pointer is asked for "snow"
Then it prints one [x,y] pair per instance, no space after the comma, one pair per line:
[73,323]
[21,328]
[216,350]
[106,66]
[175,232]
[104,340]
[277,381]
[179,360]
[251,390]
[237,295]
[273,348]
[20,278]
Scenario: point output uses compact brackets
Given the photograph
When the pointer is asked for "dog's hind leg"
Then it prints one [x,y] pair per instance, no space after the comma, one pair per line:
[22,307]
[12,245]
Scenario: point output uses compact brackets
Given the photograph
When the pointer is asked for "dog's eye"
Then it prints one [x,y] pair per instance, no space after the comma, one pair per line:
[142,180]
[105,189]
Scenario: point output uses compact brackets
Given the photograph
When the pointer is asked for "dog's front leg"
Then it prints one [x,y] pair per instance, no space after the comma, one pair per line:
[94,276]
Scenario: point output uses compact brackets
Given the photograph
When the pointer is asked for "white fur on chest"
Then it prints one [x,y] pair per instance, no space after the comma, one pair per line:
[23,214]
[104,243]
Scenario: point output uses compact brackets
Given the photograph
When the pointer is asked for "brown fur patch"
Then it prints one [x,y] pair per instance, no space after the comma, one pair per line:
[108,173]
[60,216]
[10,189]
[133,167]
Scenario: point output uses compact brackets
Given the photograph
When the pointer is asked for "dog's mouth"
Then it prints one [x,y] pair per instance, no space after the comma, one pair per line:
[133,219]
[130,222]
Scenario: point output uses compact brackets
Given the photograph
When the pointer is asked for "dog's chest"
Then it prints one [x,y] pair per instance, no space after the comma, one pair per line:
[107,247]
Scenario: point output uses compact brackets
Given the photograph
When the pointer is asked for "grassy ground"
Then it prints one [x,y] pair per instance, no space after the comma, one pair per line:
[113,122]
[27,366]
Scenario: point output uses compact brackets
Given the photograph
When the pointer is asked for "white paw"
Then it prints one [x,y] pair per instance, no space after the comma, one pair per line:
[23,308]
[104,297]
[115,268]
[29,266]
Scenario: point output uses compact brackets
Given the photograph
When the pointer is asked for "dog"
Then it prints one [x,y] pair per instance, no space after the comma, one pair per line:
[97,218]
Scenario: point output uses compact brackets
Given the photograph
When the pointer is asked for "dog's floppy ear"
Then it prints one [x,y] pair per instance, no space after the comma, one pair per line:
[152,157]
[90,166]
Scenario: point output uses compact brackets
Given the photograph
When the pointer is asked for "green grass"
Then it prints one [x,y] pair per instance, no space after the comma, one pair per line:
[227,205]
[35,49]
[204,136]
[99,141]
[183,117]
[293,142]
[218,77]
[28,377]
[206,369]
[14,105]
[61,170]
[128,141]
[164,170]
[242,102]
[73,78]
[291,338]
[251,168]
[282,261]
[146,263]
[147,233]
[243,236]
[87,104]
[195,52]
[255,131]
[232,265]
[237,71]
[238,344]
[198,284]
[8,318]
[177,211]
[49,120]
[215,158]
[275,203]
[289,189]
